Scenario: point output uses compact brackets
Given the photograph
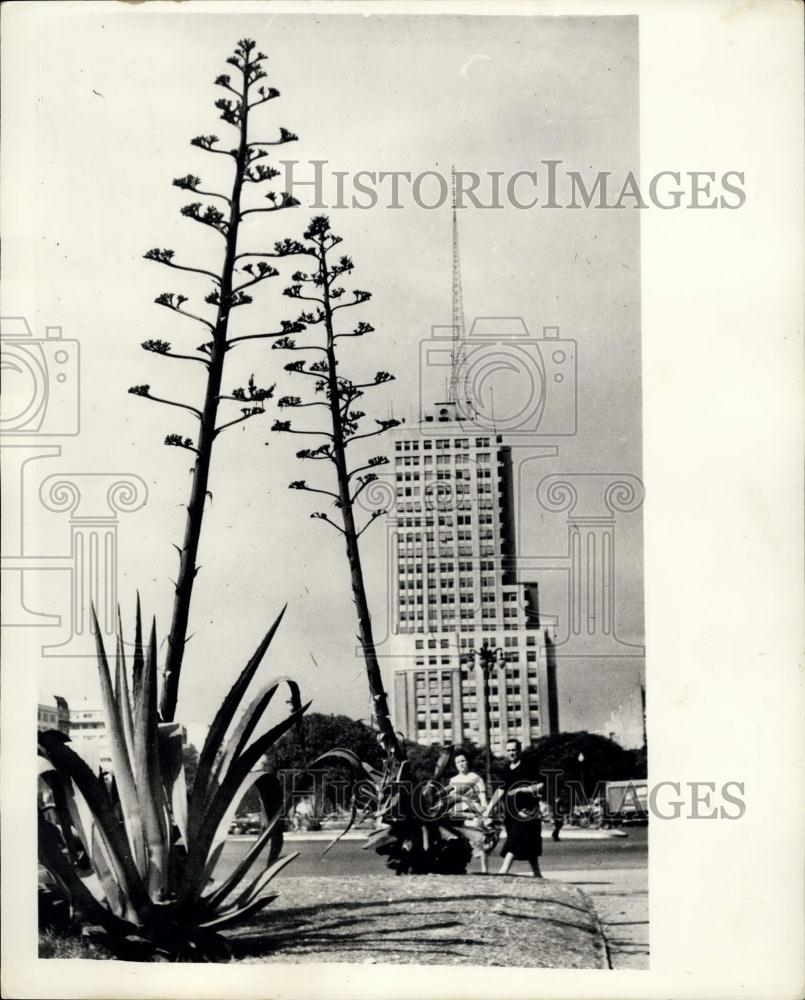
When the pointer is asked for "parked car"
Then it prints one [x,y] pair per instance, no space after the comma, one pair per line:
[626,802]
[246,825]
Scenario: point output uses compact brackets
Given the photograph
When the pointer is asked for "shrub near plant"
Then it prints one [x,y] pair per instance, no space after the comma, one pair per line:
[416,828]
[137,854]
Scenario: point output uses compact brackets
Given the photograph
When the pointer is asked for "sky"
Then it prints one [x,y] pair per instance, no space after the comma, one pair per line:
[115,99]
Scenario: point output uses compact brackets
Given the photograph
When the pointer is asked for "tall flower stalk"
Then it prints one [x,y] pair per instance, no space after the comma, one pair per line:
[239,270]
[338,396]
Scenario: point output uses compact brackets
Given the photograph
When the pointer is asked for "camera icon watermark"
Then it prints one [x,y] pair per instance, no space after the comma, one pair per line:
[40,404]
[40,381]
[502,379]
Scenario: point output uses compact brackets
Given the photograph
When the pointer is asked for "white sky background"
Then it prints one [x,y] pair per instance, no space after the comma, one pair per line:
[114,115]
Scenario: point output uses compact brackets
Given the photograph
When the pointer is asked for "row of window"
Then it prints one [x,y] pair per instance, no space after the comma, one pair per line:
[427,444]
[485,565]
[510,642]
[445,522]
[468,624]
[447,600]
[448,612]
[424,726]
[411,506]
[447,537]
[415,582]
[446,550]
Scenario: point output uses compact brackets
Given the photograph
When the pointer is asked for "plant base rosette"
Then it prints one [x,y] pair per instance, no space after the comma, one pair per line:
[416,826]
[136,853]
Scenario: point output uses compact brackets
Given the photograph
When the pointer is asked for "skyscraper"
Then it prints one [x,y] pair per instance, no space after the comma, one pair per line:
[454,586]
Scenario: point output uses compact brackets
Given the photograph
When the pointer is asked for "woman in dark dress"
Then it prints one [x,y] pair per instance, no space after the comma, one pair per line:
[520,794]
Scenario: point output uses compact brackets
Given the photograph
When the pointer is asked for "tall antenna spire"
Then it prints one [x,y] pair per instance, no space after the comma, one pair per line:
[459,333]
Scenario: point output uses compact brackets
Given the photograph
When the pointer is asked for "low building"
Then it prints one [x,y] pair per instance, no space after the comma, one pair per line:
[55,716]
[88,736]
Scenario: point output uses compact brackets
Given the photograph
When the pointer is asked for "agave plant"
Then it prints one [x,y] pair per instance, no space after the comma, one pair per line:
[137,853]
[416,827]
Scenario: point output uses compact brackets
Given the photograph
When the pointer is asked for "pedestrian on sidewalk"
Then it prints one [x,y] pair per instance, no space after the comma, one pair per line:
[468,798]
[521,810]
[561,809]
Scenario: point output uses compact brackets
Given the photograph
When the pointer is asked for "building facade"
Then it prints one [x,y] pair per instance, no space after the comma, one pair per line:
[89,737]
[454,587]
[55,716]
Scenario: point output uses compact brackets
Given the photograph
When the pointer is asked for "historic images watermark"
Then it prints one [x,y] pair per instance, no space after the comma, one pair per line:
[661,800]
[548,184]
[42,405]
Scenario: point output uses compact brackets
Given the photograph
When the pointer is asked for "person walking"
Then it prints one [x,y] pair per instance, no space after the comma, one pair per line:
[466,786]
[561,809]
[521,810]
[467,791]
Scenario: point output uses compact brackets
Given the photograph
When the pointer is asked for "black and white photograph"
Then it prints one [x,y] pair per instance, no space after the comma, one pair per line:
[333,383]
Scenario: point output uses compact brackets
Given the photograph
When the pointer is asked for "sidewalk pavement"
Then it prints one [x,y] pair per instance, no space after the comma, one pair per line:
[361,834]
[620,898]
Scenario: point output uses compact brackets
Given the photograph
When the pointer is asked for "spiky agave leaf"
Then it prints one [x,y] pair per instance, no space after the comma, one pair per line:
[233,785]
[121,763]
[107,884]
[149,776]
[122,691]
[59,809]
[270,795]
[112,830]
[222,832]
[50,850]
[173,776]
[218,729]
[230,752]
[359,766]
[380,838]
[139,657]
[353,817]
[443,760]
[75,819]
[251,716]
[230,917]
[254,890]
[275,812]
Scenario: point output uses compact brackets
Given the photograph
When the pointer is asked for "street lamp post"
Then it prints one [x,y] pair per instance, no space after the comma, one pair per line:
[487,659]
[581,770]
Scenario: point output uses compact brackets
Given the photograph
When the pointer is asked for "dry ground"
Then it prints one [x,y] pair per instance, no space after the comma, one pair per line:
[434,920]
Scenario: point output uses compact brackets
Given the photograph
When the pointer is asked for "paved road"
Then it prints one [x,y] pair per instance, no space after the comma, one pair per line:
[349,858]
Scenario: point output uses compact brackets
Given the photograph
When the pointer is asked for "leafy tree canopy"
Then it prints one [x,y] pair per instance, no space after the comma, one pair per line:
[604,760]
[323,733]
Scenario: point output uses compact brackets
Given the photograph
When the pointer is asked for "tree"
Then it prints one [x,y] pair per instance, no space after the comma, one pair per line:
[239,270]
[558,756]
[639,762]
[319,734]
[338,395]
